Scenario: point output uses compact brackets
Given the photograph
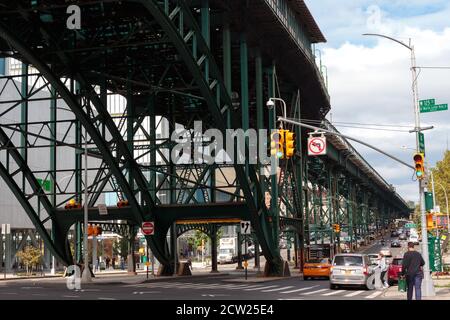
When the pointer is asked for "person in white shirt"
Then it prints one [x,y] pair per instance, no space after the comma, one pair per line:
[382,264]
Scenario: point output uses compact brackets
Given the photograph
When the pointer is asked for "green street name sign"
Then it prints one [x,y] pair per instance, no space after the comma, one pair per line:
[427,104]
[410,226]
[422,143]
[431,106]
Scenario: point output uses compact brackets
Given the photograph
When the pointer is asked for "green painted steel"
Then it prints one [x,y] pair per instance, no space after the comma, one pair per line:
[180,60]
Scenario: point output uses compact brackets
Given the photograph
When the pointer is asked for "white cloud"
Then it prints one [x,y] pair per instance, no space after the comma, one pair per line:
[372,84]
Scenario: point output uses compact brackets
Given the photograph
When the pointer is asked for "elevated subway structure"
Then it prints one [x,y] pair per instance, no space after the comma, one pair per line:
[344,189]
[183,61]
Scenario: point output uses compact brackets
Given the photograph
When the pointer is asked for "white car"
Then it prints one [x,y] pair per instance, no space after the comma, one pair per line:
[414,239]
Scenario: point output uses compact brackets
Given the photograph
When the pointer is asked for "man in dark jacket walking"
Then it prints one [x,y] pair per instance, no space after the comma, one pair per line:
[412,268]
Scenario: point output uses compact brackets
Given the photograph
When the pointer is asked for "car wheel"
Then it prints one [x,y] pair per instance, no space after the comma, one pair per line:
[334,286]
[305,278]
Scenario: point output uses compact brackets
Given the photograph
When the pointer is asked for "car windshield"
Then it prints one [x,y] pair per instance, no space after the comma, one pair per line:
[348,261]
[397,262]
[318,261]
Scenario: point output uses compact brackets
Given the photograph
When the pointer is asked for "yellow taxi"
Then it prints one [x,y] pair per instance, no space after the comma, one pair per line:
[317,268]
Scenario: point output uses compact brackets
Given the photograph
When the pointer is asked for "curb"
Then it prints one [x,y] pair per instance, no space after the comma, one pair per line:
[31,278]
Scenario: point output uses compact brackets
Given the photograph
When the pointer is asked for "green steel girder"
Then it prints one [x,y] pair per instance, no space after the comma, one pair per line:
[95,135]
[213,90]
[342,160]
[60,248]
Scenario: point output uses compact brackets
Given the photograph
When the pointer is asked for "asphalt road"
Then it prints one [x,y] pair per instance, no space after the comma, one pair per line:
[224,287]
[208,287]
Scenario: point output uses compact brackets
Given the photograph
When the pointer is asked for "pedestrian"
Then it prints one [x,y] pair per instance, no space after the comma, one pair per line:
[382,264]
[122,263]
[97,264]
[107,262]
[412,268]
[114,263]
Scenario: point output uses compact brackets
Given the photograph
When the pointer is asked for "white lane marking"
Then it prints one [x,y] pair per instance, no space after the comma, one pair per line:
[142,292]
[374,295]
[245,287]
[298,290]
[106,298]
[253,289]
[31,288]
[291,299]
[39,294]
[66,296]
[277,289]
[91,290]
[313,292]
[8,293]
[333,293]
[354,293]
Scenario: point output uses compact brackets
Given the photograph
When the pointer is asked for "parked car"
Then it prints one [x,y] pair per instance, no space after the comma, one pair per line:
[251,250]
[350,270]
[394,269]
[395,244]
[385,251]
[360,241]
[414,239]
[373,257]
[402,236]
[317,268]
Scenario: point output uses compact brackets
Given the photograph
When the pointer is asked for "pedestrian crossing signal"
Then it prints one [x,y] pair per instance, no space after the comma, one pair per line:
[276,144]
[94,230]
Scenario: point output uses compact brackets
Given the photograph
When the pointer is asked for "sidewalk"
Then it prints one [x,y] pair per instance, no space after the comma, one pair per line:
[59,274]
[441,287]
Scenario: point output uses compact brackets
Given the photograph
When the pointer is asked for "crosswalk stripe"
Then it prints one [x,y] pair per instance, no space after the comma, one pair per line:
[298,290]
[312,292]
[244,287]
[333,293]
[374,295]
[253,289]
[354,293]
[277,289]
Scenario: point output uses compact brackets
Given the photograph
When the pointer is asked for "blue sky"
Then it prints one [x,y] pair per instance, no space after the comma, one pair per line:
[370,78]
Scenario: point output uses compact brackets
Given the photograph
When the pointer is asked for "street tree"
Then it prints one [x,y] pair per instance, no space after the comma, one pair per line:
[29,256]
[441,175]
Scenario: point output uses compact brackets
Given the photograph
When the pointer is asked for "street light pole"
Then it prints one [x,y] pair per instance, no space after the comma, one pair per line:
[86,277]
[428,287]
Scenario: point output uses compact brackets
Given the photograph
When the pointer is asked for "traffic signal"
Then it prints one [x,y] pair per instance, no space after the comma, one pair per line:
[72,204]
[419,165]
[94,230]
[290,144]
[276,144]
[336,228]
[122,203]
[430,221]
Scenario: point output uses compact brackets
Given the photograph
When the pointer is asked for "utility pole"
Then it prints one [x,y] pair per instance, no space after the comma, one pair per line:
[428,287]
